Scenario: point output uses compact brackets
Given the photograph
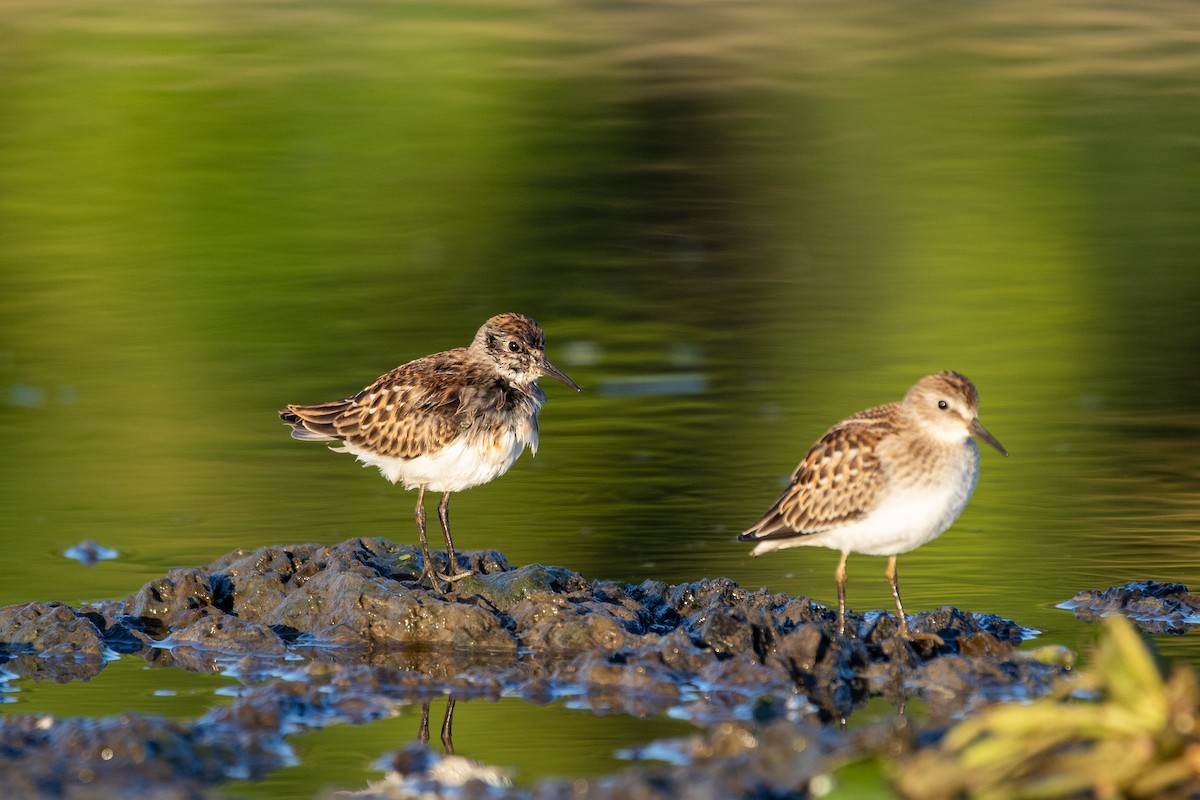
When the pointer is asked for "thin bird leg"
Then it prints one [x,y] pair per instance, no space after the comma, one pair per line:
[427,570]
[927,636]
[423,731]
[892,580]
[451,556]
[447,728]
[444,518]
[841,584]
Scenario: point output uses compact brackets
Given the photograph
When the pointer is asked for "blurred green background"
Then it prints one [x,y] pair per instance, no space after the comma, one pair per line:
[737,223]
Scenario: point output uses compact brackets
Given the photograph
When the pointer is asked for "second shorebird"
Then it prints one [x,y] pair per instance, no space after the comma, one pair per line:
[884,481]
[445,422]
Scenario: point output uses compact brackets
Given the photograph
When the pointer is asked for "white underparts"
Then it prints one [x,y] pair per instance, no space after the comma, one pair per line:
[464,463]
[906,517]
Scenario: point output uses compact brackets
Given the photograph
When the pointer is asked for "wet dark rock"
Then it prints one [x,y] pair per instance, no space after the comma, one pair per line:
[641,691]
[549,622]
[503,590]
[50,630]
[677,651]
[360,593]
[230,634]
[835,681]
[801,649]
[268,584]
[173,601]
[724,634]
[956,684]
[419,620]
[555,628]
[121,634]
[1152,606]
[342,633]
[984,645]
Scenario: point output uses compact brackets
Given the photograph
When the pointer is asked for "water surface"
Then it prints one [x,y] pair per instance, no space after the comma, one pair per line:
[737,224]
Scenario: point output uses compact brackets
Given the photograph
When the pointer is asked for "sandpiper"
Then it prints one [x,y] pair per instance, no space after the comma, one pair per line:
[884,481]
[445,422]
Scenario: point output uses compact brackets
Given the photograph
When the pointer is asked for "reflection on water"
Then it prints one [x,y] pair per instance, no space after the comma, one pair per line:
[447,732]
[736,223]
[530,742]
[90,552]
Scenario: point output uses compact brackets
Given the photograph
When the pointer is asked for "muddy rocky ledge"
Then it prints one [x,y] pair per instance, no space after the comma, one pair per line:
[344,633]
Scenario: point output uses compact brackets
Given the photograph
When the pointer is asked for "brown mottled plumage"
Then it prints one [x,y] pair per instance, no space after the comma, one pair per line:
[883,481]
[445,422]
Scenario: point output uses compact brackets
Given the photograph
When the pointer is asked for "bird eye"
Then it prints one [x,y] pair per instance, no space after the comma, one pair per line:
[513,347]
[943,405]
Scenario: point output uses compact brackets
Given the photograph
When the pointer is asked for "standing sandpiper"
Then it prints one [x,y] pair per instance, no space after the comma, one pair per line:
[445,422]
[884,481]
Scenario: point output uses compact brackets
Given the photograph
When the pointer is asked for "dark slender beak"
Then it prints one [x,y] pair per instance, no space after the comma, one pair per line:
[979,432]
[552,371]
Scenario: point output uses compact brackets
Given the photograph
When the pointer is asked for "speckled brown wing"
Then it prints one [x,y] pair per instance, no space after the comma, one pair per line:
[837,482]
[410,411]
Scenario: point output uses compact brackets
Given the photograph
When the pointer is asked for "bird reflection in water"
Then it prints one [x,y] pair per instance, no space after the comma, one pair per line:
[447,726]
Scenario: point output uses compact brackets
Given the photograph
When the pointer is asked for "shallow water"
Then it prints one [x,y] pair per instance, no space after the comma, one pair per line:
[737,224]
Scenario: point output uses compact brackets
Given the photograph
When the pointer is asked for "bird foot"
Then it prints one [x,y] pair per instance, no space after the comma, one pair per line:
[431,576]
[919,636]
[432,579]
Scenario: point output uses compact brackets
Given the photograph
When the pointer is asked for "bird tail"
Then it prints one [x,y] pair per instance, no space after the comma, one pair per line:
[314,423]
[771,526]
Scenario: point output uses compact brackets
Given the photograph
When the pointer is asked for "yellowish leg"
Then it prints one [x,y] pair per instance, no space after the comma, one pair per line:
[891,576]
[841,587]
[904,631]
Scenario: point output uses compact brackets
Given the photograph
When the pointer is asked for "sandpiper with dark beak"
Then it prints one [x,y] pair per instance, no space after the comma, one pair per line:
[445,422]
[883,482]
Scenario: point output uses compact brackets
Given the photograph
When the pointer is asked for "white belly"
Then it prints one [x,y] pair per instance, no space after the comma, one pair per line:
[904,520]
[458,466]
[900,524]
